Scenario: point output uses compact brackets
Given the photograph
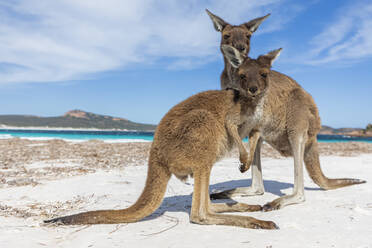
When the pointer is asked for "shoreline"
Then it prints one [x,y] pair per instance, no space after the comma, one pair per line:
[56,129]
[115,135]
[358,136]
[109,140]
[132,140]
[367,135]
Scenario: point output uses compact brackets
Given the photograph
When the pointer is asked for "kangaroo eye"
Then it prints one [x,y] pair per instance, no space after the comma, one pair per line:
[226,36]
[242,76]
[263,74]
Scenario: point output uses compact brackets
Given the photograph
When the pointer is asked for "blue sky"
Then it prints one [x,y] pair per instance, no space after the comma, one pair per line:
[136,59]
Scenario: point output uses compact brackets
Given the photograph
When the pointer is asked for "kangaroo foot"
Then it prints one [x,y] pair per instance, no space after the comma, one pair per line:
[270,206]
[233,220]
[264,225]
[244,191]
[234,207]
[282,202]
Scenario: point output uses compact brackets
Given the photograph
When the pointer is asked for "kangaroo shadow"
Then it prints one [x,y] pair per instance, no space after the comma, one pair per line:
[271,186]
[177,203]
[182,203]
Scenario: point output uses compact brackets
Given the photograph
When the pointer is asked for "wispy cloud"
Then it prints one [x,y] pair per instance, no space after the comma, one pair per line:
[46,41]
[348,39]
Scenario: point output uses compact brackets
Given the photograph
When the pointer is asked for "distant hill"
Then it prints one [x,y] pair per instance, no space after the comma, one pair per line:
[82,119]
[74,119]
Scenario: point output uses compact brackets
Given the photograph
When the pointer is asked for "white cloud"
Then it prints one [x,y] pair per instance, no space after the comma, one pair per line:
[46,41]
[346,40]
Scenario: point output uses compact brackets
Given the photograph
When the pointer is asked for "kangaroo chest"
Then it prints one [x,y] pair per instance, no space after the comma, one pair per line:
[269,123]
[252,119]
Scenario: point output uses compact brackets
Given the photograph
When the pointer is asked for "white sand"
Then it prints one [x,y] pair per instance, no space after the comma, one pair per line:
[337,218]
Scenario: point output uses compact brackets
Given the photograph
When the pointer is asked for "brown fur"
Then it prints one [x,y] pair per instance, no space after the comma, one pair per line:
[190,138]
[288,120]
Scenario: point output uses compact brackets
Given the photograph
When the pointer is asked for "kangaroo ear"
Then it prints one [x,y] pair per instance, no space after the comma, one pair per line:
[218,23]
[255,23]
[269,58]
[232,55]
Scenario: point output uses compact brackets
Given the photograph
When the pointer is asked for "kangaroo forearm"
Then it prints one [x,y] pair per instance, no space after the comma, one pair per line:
[233,132]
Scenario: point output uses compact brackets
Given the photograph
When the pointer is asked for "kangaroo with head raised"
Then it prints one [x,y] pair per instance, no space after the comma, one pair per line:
[287,118]
[189,139]
[238,36]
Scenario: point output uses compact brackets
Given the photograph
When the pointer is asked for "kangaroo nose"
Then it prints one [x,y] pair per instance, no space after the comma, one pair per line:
[253,89]
[240,48]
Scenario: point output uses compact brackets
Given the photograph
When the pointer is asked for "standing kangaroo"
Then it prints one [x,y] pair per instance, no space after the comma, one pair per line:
[189,139]
[287,118]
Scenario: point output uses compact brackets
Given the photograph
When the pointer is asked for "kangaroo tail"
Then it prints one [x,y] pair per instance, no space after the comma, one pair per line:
[311,158]
[150,199]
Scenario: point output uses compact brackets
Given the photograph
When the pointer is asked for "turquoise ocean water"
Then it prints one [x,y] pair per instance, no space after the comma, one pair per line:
[77,135]
[126,136]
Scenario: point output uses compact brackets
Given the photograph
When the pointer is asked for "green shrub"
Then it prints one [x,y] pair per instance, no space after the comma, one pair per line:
[369,127]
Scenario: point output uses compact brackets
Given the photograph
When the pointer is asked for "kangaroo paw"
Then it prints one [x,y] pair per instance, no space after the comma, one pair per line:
[264,225]
[245,164]
[270,206]
[243,167]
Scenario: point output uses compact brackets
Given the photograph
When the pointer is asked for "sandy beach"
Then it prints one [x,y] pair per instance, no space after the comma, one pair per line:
[40,179]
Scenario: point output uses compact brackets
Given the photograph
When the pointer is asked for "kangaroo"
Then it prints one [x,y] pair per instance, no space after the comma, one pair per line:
[236,36]
[189,139]
[287,118]
[239,36]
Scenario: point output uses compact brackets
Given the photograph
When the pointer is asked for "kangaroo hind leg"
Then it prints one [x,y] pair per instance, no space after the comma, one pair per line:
[298,146]
[202,211]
